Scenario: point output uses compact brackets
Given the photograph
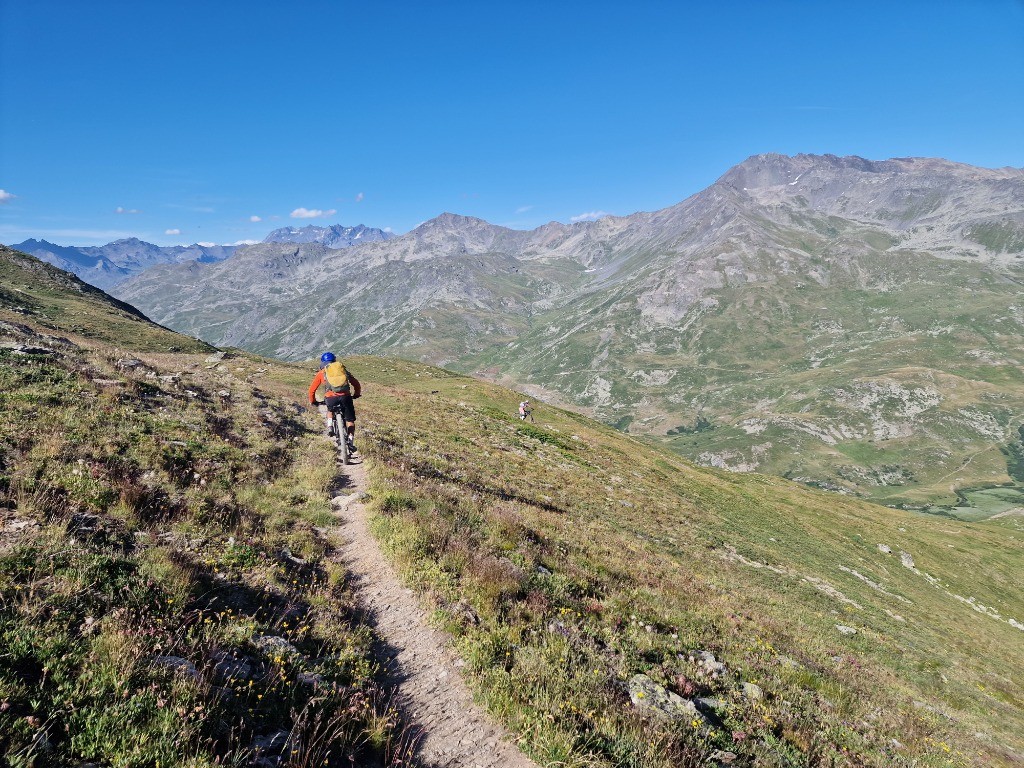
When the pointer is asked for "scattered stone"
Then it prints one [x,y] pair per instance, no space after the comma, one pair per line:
[906,559]
[710,664]
[647,694]
[752,692]
[464,611]
[223,393]
[312,679]
[543,571]
[287,555]
[228,667]
[272,645]
[272,743]
[885,549]
[19,524]
[844,630]
[216,357]
[42,745]
[21,349]
[710,705]
[722,757]
[129,363]
[17,328]
[178,665]
[557,627]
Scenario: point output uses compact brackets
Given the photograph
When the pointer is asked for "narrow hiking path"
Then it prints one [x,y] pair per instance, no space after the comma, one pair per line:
[453,731]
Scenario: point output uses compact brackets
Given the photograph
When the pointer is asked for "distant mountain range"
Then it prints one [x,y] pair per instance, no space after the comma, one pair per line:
[104,266]
[107,265]
[849,323]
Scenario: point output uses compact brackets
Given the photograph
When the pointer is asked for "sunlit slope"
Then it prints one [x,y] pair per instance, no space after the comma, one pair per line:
[569,558]
[169,593]
[898,379]
[60,303]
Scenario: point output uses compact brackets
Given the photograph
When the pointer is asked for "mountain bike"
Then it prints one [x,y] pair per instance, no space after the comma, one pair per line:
[341,436]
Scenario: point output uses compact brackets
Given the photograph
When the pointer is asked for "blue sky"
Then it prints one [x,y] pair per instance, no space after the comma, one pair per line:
[185,121]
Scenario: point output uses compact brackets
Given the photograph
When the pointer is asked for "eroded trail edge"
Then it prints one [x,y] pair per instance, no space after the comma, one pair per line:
[453,730]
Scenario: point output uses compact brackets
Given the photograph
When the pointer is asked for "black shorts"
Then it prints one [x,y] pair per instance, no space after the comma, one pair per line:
[342,404]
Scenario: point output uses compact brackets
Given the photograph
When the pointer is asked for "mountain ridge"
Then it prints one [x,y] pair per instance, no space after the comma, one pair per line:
[724,308]
[107,265]
[333,236]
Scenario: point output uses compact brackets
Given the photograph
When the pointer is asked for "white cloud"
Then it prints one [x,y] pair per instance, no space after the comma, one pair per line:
[172,231]
[5,196]
[524,208]
[245,242]
[589,216]
[389,230]
[359,197]
[121,209]
[207,245]
[315,213]
[254,219]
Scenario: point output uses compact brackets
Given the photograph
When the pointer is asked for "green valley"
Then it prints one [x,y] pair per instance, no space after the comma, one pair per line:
[167,565]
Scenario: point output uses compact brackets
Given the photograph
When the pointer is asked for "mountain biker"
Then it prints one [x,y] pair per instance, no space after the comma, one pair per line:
[337,396]
[525,410]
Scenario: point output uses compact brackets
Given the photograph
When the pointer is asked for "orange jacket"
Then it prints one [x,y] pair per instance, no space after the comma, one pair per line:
[319,381]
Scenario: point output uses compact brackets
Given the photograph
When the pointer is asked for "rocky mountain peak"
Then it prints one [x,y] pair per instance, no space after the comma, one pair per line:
[454,221]
[333,236]
[776,170]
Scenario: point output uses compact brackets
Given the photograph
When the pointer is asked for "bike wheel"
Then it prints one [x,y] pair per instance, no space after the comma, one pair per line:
[342,436]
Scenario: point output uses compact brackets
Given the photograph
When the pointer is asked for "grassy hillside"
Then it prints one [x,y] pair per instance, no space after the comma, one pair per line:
[59,303]
[169,593]
[567,558]
[898,378]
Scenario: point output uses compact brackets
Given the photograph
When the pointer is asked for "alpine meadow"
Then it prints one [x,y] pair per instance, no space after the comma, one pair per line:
[680,562]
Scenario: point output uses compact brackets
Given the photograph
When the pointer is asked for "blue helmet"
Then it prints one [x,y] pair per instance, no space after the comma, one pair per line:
[327,357]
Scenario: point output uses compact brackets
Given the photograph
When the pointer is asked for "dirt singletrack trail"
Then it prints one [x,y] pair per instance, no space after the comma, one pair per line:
[453,731]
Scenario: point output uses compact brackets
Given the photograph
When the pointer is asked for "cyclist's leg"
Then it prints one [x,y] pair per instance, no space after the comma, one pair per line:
[348,409]
[336,407]
[328,418]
